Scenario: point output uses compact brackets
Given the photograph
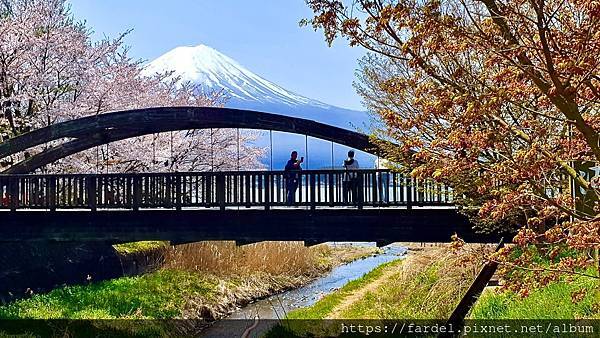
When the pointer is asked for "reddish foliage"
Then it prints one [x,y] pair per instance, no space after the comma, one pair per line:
[497,98]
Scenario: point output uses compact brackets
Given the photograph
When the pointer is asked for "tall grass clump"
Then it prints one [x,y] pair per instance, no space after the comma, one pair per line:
[427,285]
[225,258]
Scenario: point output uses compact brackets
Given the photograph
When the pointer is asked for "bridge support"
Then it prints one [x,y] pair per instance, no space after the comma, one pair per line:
[312,243]
[245,225]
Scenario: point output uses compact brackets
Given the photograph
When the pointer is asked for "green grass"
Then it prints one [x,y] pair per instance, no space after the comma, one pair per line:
[550,302]
[22,335]
[134,247]
[397,298]
[156,295]
[433,290]
[326,304]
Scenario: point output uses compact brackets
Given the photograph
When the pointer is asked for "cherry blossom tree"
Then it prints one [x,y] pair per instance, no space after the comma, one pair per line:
[499,99]
[52,71]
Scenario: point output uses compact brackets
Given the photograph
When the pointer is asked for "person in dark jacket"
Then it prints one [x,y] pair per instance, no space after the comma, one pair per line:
[351,179]
[292,177]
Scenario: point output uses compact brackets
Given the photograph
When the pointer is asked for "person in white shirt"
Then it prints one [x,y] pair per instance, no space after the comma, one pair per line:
[383,180]
[351,179]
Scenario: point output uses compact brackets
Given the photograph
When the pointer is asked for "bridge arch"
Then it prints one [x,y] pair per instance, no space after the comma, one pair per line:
[91,131]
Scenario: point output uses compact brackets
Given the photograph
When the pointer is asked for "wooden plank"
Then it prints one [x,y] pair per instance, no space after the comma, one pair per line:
[457,318]
[137,192]
[52,192]
[268,191]
[91,192]
[13,188]
[220,193]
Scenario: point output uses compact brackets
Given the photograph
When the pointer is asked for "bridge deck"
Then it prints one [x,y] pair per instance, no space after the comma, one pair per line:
[383,225]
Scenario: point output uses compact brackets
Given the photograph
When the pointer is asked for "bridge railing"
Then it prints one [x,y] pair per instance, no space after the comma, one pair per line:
[266,189]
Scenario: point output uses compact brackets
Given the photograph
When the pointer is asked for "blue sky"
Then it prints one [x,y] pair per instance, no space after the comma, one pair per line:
[262,35]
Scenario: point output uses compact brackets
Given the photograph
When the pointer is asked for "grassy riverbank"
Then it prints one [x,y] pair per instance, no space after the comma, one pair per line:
[201,281]
[430,282]
[427,284]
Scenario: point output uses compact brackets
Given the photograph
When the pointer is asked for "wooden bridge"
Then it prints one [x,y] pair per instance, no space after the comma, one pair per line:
[243,206]
[246,206]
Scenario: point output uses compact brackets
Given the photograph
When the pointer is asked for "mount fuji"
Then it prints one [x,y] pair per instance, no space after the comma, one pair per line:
[207,67]
[211,69]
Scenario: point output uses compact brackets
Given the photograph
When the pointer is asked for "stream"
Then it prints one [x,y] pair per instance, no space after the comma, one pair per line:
[276,306]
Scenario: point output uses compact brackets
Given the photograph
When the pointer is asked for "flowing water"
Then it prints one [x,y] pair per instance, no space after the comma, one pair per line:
[276,306]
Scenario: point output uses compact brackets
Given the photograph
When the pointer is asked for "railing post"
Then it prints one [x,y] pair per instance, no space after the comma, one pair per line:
[360,190]
[267,182]
[208,190]
[168,191]
[312,187]
[409,192]
[248,194]
[91,192]
[220,193]
[331,188]
[52,191]
[375,188]
[13,188]
[178,197]
[137,192]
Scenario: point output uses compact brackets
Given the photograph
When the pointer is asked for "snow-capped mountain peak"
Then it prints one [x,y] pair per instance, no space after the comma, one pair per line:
[211,69]
[206,66]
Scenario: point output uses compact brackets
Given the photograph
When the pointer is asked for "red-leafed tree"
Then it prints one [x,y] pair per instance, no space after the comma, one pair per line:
[52,71]
[499,99]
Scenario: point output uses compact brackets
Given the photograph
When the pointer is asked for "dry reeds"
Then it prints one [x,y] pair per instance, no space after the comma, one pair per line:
[431,282]
[225,258]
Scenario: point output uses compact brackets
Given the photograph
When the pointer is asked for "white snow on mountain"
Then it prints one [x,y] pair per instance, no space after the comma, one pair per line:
[205,65]
[213,70]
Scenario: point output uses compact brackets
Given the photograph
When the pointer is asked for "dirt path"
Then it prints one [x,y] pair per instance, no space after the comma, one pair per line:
[357,295]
